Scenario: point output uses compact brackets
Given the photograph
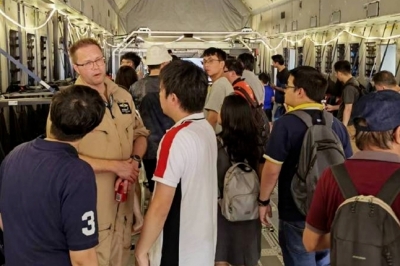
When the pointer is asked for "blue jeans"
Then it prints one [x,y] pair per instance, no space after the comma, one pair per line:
[293,251]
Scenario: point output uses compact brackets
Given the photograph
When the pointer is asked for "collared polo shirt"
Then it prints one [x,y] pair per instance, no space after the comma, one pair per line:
[187,161]
[284,147]
[47,204]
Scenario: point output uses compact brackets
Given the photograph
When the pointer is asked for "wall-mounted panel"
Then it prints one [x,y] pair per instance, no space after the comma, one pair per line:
[389,7]
[11,8]
[308,9]
[77,4]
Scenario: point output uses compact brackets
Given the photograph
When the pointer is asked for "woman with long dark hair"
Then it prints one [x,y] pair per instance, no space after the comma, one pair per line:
[238,243]
[126,77]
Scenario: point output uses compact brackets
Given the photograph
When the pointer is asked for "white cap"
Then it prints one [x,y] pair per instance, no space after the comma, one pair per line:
[156,55]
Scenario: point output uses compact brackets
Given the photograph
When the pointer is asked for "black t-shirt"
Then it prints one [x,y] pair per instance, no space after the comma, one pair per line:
[282,78]
[284,146]
[154,120]
[48,204]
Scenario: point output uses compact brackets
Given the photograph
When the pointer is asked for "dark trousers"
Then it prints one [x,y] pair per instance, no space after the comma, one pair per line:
[150,167]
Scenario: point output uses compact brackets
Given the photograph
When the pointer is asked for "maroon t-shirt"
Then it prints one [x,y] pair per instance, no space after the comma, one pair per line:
[368,170]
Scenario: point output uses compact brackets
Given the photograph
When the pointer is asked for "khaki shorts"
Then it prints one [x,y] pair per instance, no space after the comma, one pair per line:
[352,132]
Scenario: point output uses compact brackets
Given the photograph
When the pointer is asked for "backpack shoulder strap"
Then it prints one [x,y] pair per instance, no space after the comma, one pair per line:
[328,117]
[390,189]
[243,81]
[244,92]
[306,118]
[344,181]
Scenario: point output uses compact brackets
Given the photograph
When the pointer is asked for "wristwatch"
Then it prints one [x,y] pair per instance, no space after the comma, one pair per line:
[263,203]
[137,159]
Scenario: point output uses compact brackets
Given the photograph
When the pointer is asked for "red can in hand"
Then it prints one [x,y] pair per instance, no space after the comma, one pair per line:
[120,196]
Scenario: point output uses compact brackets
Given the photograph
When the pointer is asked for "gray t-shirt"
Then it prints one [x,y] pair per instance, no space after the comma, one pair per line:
[216,95]
[350,95]
[255,84]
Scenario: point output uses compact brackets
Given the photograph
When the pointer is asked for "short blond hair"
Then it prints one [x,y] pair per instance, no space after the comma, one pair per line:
[379,139]
[80,44]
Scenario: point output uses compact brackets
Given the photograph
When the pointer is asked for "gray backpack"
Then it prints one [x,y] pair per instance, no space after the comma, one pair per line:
[321,148]
[240,192]
[365,231]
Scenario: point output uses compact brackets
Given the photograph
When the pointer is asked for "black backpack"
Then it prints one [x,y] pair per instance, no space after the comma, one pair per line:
[260,117]
[362,90]
[365,230]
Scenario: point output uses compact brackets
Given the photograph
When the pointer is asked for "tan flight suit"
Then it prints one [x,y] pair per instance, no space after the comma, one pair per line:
[113,140]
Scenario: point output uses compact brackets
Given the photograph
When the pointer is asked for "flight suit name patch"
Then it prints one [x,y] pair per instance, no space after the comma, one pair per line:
[125,108]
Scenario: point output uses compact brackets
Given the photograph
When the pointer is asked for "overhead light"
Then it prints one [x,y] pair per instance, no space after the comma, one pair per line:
[144,29]
[247,29]
[47,1]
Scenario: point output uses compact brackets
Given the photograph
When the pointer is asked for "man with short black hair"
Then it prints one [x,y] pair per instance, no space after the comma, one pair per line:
[181,223]
[385,80]
[305,89]
[47,194]
[130,59]
[214,63]
[248,62]
[233,72]
[133,60]
[282,79]
[377,121]
[350,94]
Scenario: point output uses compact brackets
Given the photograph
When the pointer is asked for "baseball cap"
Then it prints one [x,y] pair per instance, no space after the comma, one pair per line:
[156,55]
[380,110]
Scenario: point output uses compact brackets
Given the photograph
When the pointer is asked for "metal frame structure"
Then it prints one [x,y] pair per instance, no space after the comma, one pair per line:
[140,40]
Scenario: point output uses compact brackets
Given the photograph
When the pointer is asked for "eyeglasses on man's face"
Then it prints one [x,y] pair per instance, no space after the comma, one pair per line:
[90,64]
[210,61]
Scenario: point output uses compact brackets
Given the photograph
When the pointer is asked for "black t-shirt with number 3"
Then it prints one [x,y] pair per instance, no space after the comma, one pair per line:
[47,203]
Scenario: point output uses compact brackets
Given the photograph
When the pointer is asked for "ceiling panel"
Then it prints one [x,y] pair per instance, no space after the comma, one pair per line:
[256,4]
[185,15]
[120,3]
[260,6]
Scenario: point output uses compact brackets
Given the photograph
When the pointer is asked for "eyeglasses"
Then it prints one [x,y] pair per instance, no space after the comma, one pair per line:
[210,61]
[292,87]
[90,65]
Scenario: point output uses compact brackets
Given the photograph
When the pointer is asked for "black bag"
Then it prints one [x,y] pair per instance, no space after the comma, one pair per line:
[365,230]
[2,258]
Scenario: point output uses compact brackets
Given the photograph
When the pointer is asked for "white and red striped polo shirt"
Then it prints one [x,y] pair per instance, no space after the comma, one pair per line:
[187,160]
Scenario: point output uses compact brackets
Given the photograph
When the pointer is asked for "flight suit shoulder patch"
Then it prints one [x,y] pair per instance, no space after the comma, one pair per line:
[124,108]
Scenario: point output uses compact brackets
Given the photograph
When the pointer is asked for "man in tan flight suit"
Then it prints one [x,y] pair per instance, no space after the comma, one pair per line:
[114,150]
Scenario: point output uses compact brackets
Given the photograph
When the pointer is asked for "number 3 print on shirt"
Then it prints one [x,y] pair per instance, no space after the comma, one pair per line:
[89,218]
